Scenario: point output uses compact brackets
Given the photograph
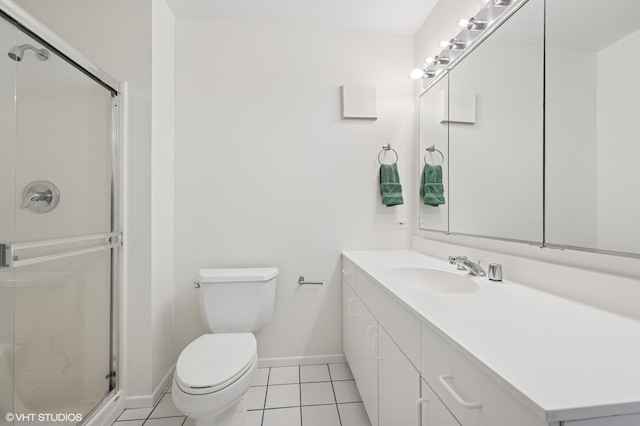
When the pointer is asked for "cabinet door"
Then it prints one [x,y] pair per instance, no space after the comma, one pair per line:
[359,331]
[350,339]
[434,412]
[399,384]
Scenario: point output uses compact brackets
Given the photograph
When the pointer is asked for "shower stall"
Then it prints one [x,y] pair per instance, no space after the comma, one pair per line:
[60,233]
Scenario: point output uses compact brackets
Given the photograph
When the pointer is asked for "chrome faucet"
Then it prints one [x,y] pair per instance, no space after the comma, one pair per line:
[464,264]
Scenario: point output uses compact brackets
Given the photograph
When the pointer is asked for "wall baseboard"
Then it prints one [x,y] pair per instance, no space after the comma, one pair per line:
[301,360]
[146,401]
[109,412]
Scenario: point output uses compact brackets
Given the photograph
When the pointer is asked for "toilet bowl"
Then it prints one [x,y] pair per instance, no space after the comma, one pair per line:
[212,375]
[215,371]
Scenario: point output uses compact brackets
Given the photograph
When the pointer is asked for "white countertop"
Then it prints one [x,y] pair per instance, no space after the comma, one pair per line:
[570,361]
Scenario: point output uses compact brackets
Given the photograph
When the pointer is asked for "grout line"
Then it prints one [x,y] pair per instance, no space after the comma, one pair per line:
[334,395]
[300,391]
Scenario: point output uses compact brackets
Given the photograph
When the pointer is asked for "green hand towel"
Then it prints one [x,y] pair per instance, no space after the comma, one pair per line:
[431,186]
[390,187]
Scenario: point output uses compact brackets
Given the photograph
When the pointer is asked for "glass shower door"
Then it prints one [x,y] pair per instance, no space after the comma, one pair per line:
[8,34]
[62,239]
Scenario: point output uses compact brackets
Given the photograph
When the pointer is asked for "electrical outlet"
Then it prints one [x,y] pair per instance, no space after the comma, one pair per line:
[400,223]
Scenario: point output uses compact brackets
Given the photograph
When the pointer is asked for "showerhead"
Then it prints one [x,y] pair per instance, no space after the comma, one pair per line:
[17,52]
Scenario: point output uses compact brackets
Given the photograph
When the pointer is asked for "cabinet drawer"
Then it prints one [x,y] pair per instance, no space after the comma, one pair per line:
[433,410]
[400,323]
[349,272]
[471,395]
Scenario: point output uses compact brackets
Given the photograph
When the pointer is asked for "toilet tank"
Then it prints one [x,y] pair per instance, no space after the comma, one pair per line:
[239,300]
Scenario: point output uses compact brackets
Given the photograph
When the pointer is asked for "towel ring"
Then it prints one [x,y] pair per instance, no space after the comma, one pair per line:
[431,150]
[387,147]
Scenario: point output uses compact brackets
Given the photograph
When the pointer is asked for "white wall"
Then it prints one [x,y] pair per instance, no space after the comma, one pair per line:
[117,36]
[267,172]
[162,187]
[618,148]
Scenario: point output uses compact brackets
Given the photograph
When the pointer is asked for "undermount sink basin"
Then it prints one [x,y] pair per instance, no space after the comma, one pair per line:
[434,280]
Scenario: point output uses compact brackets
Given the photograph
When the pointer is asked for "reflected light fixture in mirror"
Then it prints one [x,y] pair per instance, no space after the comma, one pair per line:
[472,23]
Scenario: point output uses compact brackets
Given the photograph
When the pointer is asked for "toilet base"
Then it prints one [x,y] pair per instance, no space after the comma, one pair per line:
[236,415]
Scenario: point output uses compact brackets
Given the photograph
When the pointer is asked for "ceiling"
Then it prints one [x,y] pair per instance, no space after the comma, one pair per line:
[380,16]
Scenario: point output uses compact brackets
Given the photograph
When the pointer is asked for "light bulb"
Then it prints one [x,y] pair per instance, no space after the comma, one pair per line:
[417,73]
[464,23]
[445,44]
[429,61]
[472,24]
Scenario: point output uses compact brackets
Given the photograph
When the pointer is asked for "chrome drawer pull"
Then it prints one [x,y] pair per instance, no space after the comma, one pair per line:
[345,272]
[349,312]
[419,403]
[443,380]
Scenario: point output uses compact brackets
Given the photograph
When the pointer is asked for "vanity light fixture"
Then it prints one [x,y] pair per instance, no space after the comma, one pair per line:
[438,60]
[471,29]
[452,44]
[425,73]
[472,23]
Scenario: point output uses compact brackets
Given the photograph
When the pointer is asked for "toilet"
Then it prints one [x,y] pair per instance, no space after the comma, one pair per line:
[215,371]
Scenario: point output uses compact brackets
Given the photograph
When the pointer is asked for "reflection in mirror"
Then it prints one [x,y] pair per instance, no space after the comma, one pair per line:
[592,111]
[434,113]
[495,132]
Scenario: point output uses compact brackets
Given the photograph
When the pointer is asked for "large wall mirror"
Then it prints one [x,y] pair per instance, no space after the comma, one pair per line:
[491,132]
[592,112]
[562,175]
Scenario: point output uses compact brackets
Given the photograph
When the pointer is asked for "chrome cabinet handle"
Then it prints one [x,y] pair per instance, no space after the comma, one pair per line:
[419,403]
[375,344]
[443,380]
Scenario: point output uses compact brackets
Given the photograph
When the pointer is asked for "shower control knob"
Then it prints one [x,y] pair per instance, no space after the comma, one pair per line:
[40,196]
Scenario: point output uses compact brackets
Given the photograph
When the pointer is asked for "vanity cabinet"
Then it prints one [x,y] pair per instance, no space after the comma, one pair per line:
[398,384]
[473,397]
[388,382]
[360,329]
[498,357]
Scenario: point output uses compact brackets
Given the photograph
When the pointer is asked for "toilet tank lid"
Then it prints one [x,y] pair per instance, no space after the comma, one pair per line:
[218,275]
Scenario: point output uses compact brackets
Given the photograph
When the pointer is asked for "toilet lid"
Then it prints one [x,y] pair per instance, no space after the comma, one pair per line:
[214,361]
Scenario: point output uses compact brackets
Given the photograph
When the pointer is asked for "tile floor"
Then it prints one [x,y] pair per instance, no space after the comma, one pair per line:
[307,395]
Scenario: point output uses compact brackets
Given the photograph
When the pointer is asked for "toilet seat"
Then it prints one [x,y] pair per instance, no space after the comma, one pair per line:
[214,361]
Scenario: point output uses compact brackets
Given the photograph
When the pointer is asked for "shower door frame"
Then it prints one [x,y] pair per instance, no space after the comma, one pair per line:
[34,28]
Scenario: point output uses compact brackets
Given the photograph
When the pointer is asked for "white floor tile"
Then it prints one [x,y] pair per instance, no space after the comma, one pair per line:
[340,371]
[135,414]
[284,375]
[317,393]
[254,418]
[165,408]
[314,373]
[165,421]
[321,415]
[353,414]
[255,397]
[261,377]
[129,423]
[282,417]
[346,391]
[283,396]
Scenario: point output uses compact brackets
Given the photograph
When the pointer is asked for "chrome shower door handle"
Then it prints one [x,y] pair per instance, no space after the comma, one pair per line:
[40,196]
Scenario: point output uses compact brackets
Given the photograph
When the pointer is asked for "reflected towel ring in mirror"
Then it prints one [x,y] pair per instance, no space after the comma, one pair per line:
[385,148]
[431,150]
